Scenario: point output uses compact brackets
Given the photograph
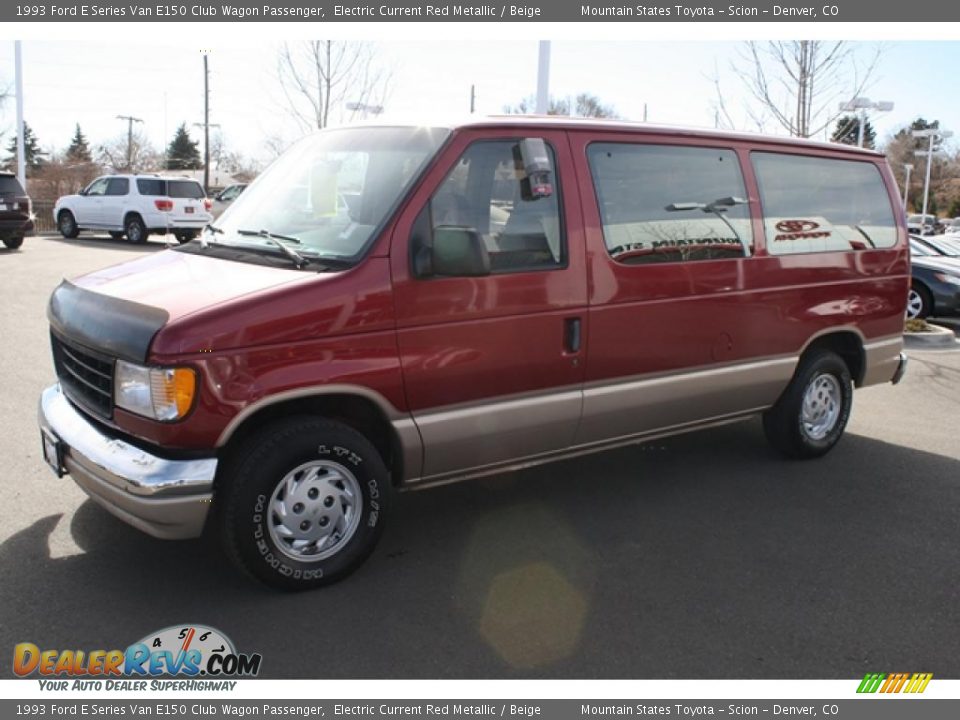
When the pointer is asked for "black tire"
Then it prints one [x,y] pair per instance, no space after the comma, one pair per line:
[258,481]
[135,230]
[919,292]
[827,377]
[67,224]
[13,242]
[116,234]
[185,236]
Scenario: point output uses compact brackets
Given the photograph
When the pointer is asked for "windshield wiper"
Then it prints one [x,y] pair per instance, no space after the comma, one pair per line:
[214,230]
[280,242]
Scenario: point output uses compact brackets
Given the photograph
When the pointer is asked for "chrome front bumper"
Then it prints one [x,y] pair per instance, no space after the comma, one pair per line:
[168,499]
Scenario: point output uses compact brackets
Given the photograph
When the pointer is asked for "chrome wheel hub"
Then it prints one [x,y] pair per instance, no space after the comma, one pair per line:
[314,510]
[914,304]
[821,406]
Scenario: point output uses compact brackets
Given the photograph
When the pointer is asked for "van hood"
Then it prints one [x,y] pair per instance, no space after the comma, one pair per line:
[119,309]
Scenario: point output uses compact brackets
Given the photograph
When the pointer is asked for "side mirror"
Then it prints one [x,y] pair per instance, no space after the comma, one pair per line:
[535,161]
[458,252]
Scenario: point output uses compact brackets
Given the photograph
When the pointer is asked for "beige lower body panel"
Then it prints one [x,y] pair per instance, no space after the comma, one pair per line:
[882,359]
[491,433]
[648,404]
[466,442]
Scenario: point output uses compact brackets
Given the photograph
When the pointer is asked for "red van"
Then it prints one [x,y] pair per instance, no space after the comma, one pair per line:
[395,307]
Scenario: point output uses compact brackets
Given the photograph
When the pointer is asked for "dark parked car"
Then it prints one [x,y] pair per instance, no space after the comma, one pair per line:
[16,217]
[935,266]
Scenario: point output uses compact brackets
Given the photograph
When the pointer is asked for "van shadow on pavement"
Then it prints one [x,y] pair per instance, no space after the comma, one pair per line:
[700,556]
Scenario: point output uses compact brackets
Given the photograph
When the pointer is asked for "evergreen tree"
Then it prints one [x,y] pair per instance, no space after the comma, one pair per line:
[33,155]
[79,150]
[182,152]
[847,131]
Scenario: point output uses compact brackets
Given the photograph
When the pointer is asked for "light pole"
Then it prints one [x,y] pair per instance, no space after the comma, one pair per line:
[364,108]
[907,168]
[543,78]
[18,72]
[863,104]
[933,134]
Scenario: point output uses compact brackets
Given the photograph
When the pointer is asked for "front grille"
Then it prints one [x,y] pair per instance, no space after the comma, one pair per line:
[85,376]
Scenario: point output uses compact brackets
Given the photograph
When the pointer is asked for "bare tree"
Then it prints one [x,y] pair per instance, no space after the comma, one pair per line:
[798,85]
[320,77]
[59,176]
[143,156]
[584,105]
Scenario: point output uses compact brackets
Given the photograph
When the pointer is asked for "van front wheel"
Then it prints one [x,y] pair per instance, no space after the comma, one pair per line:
[303,503]
[811,415]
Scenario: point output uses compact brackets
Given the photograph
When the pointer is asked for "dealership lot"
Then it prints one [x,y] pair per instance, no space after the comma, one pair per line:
[704,555]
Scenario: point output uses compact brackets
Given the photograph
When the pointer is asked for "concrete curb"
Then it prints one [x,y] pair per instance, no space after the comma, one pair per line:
[939,338]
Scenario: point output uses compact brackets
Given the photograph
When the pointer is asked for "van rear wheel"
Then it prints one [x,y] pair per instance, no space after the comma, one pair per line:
[811,415]
[303,503]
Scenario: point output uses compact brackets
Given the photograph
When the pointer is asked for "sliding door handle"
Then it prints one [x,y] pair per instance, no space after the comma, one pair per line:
[571,335]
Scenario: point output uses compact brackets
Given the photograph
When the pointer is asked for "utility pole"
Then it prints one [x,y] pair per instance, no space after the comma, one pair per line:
[130,121]
[473,99]
[206,125]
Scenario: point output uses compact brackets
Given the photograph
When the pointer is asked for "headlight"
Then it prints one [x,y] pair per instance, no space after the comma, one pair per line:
[944,277]
[158,393]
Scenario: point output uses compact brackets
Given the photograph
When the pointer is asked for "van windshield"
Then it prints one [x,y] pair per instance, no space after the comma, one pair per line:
[331,192]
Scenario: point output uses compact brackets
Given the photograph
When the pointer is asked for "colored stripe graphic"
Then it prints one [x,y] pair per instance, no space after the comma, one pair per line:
[894,683]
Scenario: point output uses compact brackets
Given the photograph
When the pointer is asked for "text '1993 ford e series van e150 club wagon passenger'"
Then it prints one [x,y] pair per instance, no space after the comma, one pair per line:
[398,306]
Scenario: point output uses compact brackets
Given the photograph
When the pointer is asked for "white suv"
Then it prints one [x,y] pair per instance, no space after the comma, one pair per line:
[135,206]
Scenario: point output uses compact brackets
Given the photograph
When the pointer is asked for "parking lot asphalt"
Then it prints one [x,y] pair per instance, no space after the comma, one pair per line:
[700,556]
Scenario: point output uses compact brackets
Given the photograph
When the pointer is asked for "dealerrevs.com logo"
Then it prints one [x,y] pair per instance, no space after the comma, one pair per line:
[189,651]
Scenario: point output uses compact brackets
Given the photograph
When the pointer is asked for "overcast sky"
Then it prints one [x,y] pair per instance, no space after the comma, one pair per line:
[66,82]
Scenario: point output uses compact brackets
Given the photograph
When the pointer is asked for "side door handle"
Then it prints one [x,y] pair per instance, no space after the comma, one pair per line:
[571,335]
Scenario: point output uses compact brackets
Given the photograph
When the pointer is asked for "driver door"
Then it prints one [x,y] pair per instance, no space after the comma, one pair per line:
[89,211]
[493,364]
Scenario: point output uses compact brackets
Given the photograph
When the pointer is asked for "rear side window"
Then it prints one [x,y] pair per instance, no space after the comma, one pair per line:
[117,186]
[149,186]
[813,204]
[10,185]
[184,189]
[670,203]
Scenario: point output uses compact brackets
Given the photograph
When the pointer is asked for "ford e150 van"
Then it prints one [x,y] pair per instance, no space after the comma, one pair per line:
[397,307]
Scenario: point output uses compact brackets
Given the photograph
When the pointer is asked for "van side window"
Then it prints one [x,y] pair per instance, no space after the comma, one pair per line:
[486,192]
[815,204]
[670,203]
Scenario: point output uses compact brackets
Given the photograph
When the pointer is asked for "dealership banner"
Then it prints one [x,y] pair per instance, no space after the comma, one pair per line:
[183,707]
[578,11]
